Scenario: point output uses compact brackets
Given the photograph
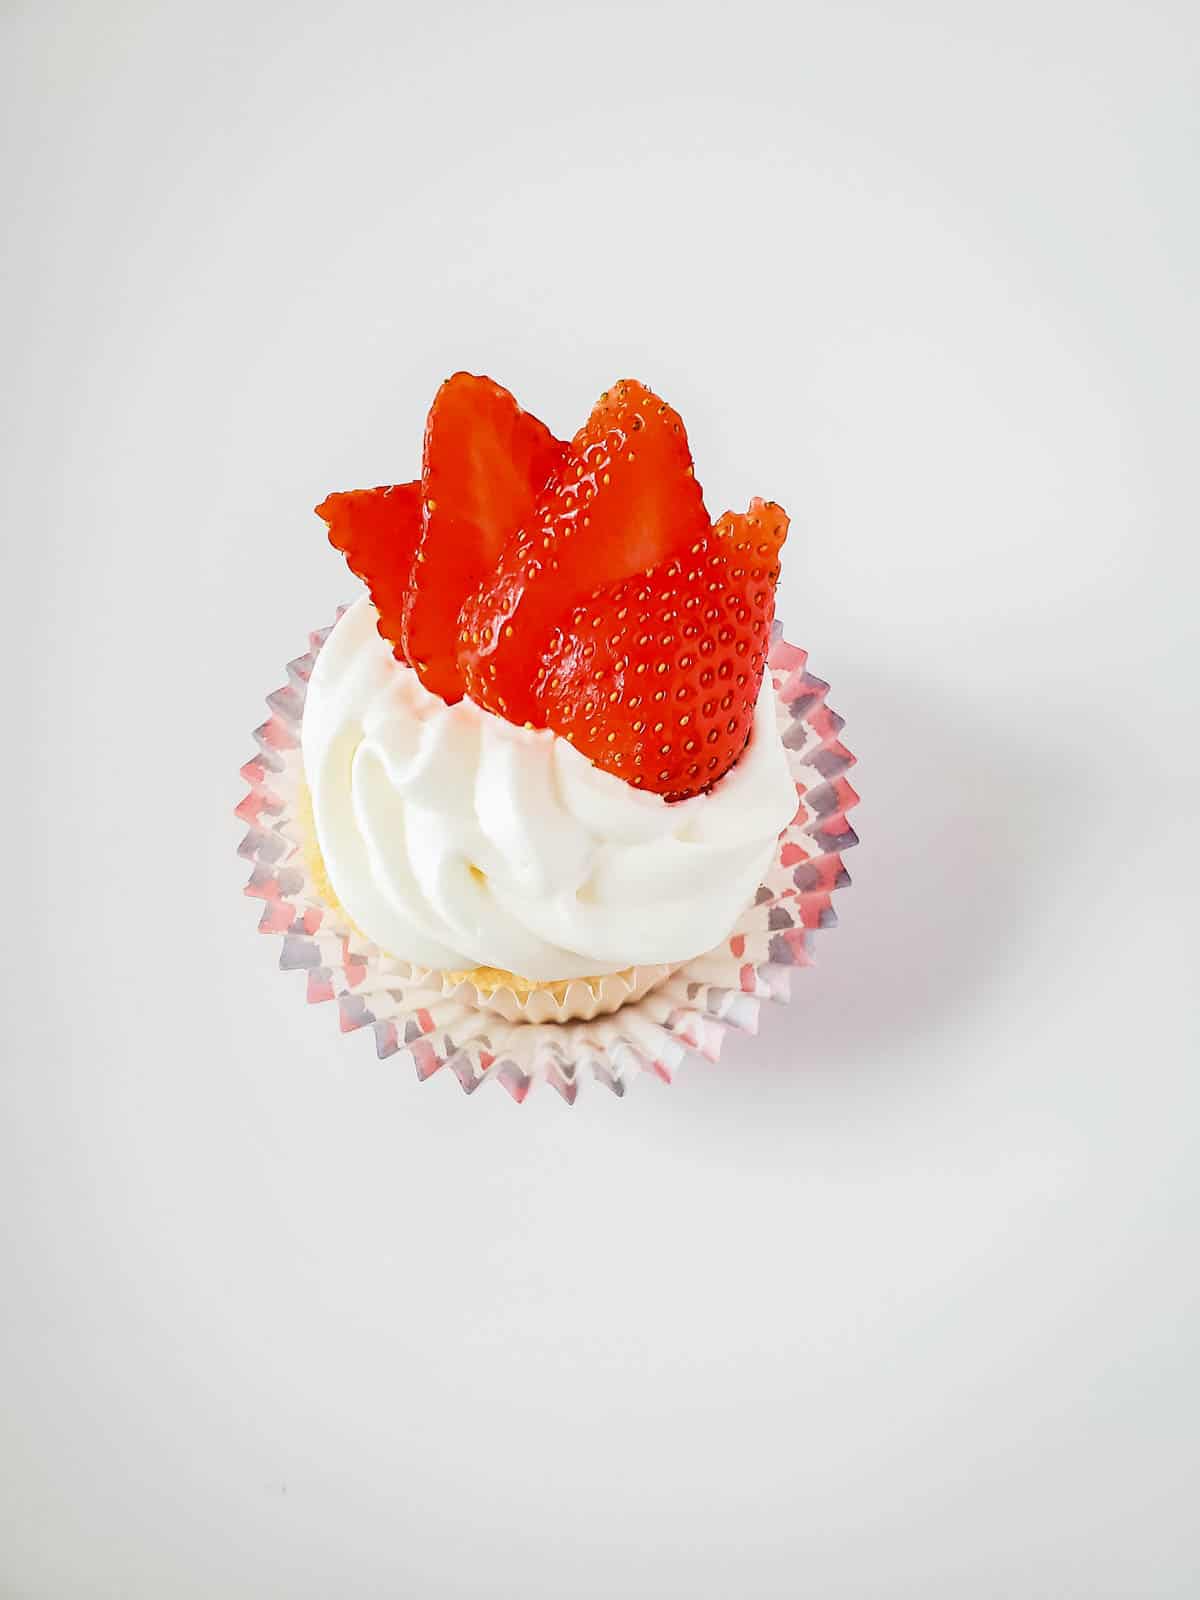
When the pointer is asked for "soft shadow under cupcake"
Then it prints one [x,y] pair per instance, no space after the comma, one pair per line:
[959,849]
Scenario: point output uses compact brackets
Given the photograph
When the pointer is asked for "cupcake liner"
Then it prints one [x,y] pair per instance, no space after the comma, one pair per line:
[647,1020]
[573,1000]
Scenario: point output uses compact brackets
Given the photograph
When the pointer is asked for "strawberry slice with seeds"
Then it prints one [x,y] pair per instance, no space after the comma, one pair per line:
[655,678]
[485,463]
[625,498]
[377,531]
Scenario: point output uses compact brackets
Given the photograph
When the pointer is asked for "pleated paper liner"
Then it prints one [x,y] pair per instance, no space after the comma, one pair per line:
[572,1000]
[439,1020]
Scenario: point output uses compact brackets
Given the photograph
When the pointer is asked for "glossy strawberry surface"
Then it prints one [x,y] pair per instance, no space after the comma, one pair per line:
[624,498]
[579,586]
[655,678]
[485,462]
[377,530]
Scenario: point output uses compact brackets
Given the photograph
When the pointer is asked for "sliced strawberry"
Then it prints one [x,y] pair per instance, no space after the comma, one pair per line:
[377,531]
[624,498]
[655,677]
[485,463]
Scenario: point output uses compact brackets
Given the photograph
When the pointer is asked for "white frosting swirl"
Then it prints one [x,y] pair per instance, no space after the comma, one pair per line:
[454,839]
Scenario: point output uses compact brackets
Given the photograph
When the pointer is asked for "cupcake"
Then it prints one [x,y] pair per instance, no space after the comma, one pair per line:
[553,786]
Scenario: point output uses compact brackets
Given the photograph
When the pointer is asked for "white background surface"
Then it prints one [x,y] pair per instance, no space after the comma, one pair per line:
[898,1301]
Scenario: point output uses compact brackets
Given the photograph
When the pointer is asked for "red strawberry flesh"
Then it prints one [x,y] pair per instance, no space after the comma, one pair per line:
[485,463]
[655,678]
[377,531]
[577,587]
[624,498]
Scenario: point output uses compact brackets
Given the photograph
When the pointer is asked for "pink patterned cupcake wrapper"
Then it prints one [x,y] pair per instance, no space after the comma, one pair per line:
[690,1012]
